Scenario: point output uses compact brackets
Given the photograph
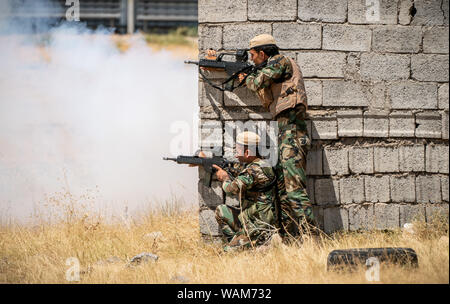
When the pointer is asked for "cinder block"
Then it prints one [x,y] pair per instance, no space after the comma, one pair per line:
[339,37]
[361,217]
[412,95]
[387,216]
[229,153]
[386,159]
[222,10]
[445,125]
[208,223]
[412,158]
[352,190]
[350,123]
[436,158]
[314,162]
[310,190]
[352,68]
[340,93]
[377,98]
[209,37]
[208,96]
[404,11]
[435,40]
[428,12]
[232,128]
[377,189]
[233,114]
[335,161]
[314,92]
[403,189]
[326,191]
[411,213]
[335,219]
[445,9]
[318,216]
[428,125]
[429,67]
[210,196]
[258,116]
[376,124]
[359,12]
[322,64]
[211,134]
[443,96]
[324,127]
[428,189]
[209,112]
[444,187]
[326,11]
[241,97]
[436,212]
[396,39]
[361,160]
[229,135]
[297,36]
[309,127]
[237,36]
[402,124]
[266,131]
[276,10]
[384,66]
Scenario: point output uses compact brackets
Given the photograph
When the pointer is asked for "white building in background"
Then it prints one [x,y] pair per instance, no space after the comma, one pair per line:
[122,15]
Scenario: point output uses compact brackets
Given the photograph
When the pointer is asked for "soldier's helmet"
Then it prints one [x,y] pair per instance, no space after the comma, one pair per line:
[262,40]
[248,138]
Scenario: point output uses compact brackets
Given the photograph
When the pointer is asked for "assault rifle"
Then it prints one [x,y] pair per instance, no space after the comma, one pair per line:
[232,68]
[206,162]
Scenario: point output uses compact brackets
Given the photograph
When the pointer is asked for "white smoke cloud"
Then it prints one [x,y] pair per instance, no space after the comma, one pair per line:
[103,117]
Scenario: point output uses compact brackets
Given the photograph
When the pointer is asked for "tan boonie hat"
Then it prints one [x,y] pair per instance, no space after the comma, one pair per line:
[263,39]
[248,138]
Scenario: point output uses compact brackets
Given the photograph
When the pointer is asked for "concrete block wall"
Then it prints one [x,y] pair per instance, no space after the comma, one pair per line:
[378,103]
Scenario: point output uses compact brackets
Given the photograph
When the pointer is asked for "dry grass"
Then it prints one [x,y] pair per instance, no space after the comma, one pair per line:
[37,254]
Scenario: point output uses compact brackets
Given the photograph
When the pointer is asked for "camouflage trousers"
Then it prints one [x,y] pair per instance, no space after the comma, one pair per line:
[293,146]
[257,222]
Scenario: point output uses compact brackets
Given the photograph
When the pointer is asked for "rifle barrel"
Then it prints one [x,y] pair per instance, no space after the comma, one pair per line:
[169,158]
[191,62]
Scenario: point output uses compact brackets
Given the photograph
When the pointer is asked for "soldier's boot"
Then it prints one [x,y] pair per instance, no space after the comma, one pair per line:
[238,242]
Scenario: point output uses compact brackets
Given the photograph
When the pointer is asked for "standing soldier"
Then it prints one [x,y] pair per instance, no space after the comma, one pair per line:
[253,222]
[279,86]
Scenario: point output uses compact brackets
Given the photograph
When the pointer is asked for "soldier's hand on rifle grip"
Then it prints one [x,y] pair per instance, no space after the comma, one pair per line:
[211,54]
[242,76]
[200,154]
[221,174]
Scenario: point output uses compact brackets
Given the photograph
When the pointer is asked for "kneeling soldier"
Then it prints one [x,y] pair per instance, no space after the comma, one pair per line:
[253,222]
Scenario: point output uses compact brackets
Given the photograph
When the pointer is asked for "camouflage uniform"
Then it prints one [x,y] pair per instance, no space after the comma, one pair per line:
[254,185]
[282,69]
[293,144]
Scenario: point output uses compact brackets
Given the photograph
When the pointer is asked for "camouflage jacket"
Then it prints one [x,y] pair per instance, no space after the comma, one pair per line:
[252,181]
[277,72]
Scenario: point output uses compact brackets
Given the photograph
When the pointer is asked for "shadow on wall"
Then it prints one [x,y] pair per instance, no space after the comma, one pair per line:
[324,194]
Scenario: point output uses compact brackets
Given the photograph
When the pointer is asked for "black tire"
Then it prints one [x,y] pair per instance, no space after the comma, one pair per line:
[359,256]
